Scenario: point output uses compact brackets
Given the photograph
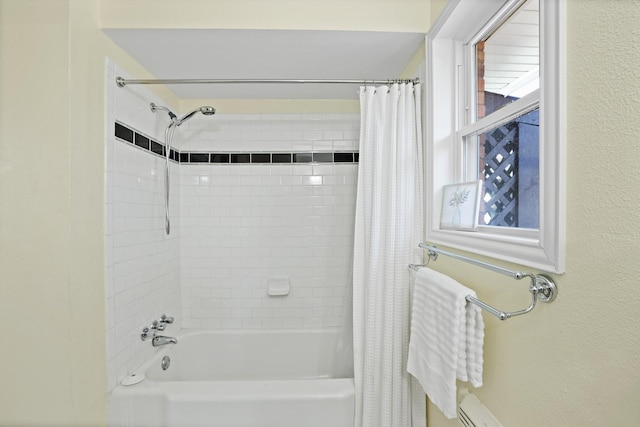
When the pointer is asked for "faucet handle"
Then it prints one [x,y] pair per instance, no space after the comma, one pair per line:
[165,319]
[157,326]
[145,334]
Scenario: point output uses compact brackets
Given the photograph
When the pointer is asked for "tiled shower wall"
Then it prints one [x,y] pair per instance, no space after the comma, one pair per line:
[235,226]
[243,225]
[142,263]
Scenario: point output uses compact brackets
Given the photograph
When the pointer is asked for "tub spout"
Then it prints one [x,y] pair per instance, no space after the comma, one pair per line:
[162,340]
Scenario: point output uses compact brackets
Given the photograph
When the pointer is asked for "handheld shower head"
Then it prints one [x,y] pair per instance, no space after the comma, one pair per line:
[206,110]
[168,136]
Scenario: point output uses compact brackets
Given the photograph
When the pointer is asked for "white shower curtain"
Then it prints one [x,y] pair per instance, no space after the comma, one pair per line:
[388,228]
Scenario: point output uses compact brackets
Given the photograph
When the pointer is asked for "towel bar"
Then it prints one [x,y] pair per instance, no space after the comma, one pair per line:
[542,287]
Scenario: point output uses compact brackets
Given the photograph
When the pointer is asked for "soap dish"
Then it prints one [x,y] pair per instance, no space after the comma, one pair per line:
[132,379]
[278,287]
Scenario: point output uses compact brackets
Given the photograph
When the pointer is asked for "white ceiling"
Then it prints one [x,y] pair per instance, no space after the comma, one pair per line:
[268,54]
[512,54]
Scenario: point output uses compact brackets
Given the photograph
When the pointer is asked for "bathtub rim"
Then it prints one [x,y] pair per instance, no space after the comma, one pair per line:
[183,333]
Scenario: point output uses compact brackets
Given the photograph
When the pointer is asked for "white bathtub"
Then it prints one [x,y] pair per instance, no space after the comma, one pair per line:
[239,379]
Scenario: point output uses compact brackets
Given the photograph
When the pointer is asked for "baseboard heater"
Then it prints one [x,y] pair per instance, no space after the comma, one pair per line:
[472,413]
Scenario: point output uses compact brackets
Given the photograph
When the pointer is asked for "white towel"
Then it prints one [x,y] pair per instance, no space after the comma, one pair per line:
[447,335]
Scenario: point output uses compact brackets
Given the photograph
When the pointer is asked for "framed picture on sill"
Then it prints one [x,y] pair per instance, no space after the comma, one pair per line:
[460,206]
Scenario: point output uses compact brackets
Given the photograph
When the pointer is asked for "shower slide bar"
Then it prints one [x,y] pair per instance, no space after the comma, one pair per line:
[542,287]
[123,82]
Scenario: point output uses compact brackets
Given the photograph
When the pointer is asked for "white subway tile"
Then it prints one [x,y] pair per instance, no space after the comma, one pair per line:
[235,226]
[312,180]
[251,324]
[302,146]
[192,323]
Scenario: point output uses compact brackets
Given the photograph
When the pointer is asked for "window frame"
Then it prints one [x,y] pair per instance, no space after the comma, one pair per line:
[450,107]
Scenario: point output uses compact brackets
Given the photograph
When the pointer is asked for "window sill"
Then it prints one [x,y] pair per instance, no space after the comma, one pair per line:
[522,248]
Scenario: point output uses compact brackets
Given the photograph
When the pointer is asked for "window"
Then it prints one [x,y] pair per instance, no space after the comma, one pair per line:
[495,113]
[503,69]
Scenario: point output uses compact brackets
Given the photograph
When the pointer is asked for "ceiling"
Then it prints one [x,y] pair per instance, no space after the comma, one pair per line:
[268,54]
[512,54]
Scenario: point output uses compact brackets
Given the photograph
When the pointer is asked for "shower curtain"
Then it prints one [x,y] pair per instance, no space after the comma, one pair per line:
[388,228]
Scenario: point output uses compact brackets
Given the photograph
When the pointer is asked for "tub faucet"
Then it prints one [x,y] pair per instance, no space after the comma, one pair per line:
[159,340]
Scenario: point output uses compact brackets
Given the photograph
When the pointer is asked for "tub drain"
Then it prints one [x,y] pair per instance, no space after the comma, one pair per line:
[166,361]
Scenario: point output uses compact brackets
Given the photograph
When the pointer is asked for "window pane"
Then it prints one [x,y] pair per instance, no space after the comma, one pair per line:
[508,60]
[509,169]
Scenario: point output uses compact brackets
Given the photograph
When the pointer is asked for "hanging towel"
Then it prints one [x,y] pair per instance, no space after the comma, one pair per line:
[447,335]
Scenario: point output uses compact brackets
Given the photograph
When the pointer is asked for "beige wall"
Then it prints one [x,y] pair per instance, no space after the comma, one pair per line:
[576,362]
[436,8]
[348,15]
[53,358]
[50,235]
[277,106]
[35,246]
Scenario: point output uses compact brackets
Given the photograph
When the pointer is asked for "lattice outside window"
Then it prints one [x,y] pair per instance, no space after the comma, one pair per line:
[500,191]
[511,188]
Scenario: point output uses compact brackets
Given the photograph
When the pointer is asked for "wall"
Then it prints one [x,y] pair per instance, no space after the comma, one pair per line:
[571,363]
[52,289]
[234,225]
[141,261]
[35,248]
[435,8]
[575,362]
[51,231]
[349,15]
[244,224]
[275,220]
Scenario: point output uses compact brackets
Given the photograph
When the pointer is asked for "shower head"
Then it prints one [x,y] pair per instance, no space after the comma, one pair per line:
[206,110]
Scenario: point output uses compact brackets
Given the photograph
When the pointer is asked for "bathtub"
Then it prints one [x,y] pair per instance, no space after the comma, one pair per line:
[239,379]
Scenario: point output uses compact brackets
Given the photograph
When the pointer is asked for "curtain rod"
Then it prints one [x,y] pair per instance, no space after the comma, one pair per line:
[123,82]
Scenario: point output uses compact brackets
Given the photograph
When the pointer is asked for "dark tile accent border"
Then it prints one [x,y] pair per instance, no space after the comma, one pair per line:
[220,158]
[323,157]
[158,148]
[124,133]
[280,157]
[343,157]
[198,158]
[302,157]
[260,158]
[240,158]
[142,141]
[129,135]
